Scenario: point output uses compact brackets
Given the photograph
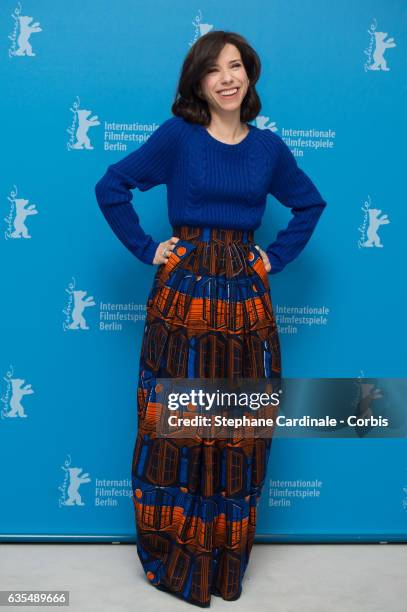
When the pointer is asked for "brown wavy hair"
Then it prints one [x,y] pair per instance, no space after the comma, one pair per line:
[201,56]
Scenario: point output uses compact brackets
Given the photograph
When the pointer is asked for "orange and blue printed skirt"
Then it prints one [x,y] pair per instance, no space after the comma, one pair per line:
[209,315]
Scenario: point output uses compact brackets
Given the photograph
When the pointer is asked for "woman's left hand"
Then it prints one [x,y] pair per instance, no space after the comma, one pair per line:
[264,257]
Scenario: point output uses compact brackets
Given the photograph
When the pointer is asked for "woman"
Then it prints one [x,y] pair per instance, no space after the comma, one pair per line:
[209,312]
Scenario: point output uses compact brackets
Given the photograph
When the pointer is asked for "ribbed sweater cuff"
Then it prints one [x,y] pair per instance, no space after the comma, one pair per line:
[276,264]
[147,254]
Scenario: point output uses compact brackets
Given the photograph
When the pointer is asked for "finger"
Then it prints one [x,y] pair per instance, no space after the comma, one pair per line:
[173,240]
[267,263]
[265,259]
[168,247]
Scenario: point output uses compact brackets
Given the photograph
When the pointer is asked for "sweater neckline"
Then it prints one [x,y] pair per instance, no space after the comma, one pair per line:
[225,145]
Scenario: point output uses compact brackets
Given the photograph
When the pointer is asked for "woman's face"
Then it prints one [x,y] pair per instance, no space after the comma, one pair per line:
[226,76]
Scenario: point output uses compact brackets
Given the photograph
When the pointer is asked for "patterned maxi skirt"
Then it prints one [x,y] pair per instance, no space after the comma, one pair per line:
[209,314]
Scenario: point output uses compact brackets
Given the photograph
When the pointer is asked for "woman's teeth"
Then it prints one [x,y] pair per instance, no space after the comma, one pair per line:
[228,92]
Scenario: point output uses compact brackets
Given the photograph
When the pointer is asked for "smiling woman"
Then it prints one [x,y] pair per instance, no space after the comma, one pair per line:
[209,312]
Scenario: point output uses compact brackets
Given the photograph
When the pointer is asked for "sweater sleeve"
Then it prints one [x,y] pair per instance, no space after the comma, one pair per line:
[147,166]
[294,189]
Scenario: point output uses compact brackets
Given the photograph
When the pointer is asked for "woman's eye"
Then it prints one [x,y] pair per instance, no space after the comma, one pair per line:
[234,66]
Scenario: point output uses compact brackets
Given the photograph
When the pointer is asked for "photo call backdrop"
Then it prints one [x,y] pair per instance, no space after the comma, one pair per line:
[83,85]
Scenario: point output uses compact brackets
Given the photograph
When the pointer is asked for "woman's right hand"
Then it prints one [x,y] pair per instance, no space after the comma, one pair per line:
[165,247]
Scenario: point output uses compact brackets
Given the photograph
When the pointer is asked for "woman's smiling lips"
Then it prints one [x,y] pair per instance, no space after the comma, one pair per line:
[226,93]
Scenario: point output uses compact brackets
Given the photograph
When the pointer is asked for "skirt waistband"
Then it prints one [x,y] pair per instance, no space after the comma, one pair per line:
[212,234]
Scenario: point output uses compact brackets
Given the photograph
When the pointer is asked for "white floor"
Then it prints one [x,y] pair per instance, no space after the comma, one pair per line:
[280,577]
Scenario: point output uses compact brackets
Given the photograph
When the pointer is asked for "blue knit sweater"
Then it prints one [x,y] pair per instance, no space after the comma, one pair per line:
[211,184]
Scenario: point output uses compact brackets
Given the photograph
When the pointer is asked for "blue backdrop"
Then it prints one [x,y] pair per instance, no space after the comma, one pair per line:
[84,84]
